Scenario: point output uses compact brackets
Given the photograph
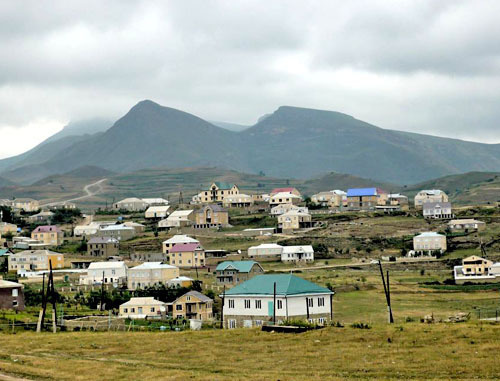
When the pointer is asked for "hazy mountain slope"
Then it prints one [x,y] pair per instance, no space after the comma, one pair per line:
[465,188]
[5,182]
[82,127]
[230,126]
[150,135]
[308,142]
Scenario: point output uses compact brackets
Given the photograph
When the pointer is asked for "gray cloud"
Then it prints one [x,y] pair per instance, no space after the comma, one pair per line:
[422,66]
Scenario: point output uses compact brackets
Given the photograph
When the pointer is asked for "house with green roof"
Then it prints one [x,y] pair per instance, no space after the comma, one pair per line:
[234,272]
[269,298]
[216,193]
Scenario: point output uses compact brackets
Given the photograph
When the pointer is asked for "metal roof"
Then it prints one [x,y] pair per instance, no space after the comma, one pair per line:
[359,192]
[241,266]
[286,284]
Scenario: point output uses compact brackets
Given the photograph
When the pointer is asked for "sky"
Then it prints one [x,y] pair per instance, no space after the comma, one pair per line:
[430,67]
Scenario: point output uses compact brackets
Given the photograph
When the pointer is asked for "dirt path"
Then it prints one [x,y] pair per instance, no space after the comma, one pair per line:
[87,189]
[6,377]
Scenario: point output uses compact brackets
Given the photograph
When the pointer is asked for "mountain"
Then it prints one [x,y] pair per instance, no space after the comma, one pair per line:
[29,166]
[230,126]
[465,188]
[290,143]
[153,136]
[5,182]
[315,141]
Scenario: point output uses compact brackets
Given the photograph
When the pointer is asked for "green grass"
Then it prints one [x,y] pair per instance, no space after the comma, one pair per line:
[402,351]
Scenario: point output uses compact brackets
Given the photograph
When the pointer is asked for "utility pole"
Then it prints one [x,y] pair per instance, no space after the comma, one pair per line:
[222,309]
[102,292]
[274,304]
[387,296]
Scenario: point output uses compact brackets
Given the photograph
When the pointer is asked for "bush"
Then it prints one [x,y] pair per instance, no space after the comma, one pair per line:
[360,326]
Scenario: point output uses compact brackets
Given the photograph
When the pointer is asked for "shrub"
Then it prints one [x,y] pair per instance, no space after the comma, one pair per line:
[360,326]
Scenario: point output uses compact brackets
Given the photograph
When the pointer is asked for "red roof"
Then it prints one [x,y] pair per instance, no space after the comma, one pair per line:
[47,229]
[182,247]
[279,190]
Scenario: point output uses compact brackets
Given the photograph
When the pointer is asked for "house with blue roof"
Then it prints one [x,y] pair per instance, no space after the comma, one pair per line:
[216,193]
[275,298]
[366,198]
[235,272]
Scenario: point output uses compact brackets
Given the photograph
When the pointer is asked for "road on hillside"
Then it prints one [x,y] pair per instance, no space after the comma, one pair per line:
[89,190]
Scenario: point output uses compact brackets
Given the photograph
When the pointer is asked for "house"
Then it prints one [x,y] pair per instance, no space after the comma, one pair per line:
[211,216]
[7,228]
[466,224]
[103,247]
[216,193]
[114,273]
[437,210]
[429,242]
[90,229]
[430,195]
[397,199]
[131,204]
[192,305]
[365,198]
[25,204]
[297,254]
[284,208]
[157,211]
[139,228]
[142,308]
[27,243]
[265,250]
[178,219]
[35,260]
[48,235]
[284,198]
[150,274]
[187,255]
[239,200]
[332,199]
[181,281]
[156,201]
[294,220]
[177,239]
[44,216]
[255,302]
[234,272]
[477,269]
[120,232]
[67,205]
[11,296]
[149,257]
[291,190]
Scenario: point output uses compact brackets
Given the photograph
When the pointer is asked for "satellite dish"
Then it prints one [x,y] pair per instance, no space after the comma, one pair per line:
[239,251]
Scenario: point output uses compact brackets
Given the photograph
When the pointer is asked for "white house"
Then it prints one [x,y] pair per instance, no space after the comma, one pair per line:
[177,239]
[265,250]
[280,209]
[114,273]
[284,198]
[155,201]
[178,219]
[90,229]
[430,195]
[252,303]
[142,308]
[429,242]
[437,210]
[160,211]
[297,254]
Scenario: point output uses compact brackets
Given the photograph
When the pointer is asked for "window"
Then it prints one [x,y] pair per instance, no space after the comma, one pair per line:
[14,303]
[132,310]
[279,304]
[125,310]
[15,292]
[321,302]
[321,321]
[247,303]
[178,307]
[310,302]
[258,304]
[258,323]
[231,303]
[232,323]
[152,309]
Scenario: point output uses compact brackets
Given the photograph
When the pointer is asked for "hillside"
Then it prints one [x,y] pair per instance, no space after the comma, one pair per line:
[290,143]
[322,141]
[466,188]
[341,181]
[5,182]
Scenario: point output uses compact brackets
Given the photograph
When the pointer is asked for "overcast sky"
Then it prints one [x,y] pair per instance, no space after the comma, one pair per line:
[423,66]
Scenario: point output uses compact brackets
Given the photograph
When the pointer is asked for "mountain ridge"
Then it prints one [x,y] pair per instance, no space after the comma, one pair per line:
[291,142]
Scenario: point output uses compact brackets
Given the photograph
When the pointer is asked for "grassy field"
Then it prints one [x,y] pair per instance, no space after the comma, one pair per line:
[415,351]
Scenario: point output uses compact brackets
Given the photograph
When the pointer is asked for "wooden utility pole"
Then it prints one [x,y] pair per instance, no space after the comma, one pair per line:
[307,308]
[274,304]
[387,296]
[222,309]
[102,292]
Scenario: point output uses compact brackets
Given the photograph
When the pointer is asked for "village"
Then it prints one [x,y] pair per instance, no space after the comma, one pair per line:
[229,259]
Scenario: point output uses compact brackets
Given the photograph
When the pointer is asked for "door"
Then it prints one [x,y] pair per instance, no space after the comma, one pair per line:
[270,308]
